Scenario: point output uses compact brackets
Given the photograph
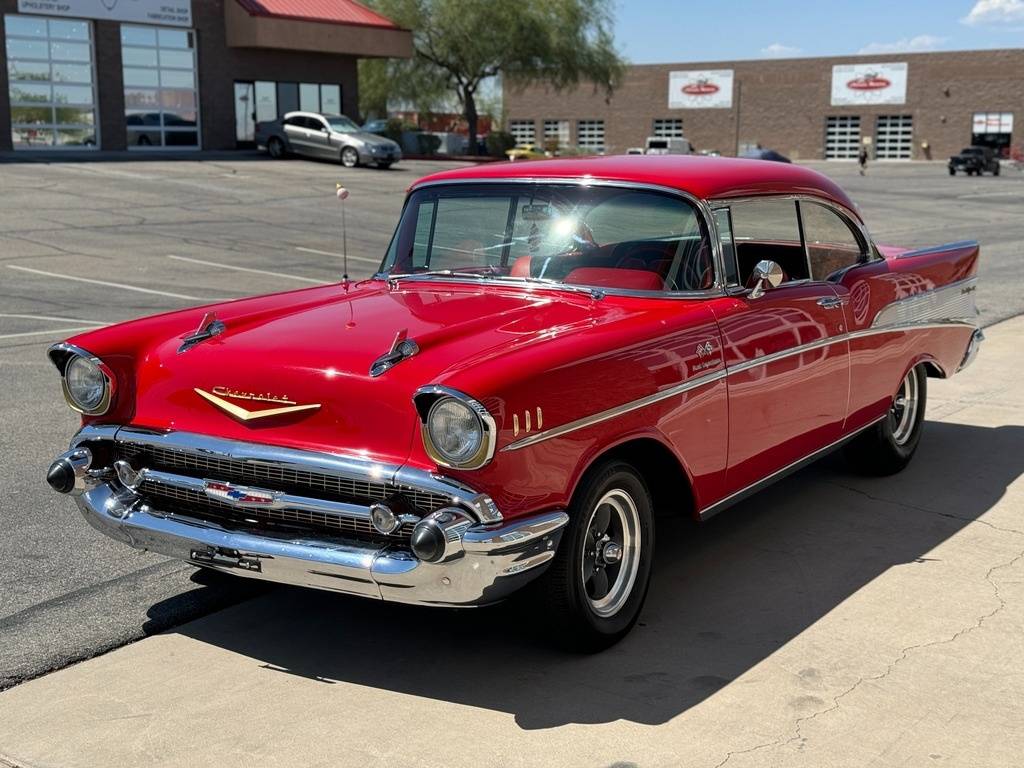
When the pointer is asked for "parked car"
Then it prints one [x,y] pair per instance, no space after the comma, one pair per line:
[974,161]
[765,154]
[378,126]
[326,137]
[507,402]
[661,145]
[526,152]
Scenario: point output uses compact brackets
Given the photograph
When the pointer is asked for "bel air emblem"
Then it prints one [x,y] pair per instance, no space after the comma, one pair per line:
[217,397]
[705,349]
[238,495]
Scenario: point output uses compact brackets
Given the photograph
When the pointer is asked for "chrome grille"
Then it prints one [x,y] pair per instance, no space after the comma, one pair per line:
[189,502]
[273,476]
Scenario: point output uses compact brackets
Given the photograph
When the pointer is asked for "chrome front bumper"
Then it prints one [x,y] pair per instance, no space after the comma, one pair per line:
[485,560]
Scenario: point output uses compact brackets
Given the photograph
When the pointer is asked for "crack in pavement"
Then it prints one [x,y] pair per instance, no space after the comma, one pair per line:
[904,653]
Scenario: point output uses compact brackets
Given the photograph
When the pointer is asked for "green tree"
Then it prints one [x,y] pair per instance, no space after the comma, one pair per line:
[460,43]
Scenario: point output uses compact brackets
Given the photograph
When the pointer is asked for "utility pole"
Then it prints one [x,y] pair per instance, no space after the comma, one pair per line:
[739,95]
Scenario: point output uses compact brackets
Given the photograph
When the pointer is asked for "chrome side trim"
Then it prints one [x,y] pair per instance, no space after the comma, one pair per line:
[611,413]
[738,496]
[955,300]
[745,365]
[349,467]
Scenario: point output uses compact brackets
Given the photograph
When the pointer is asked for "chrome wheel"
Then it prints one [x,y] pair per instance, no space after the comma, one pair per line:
[904,409]
[349,157]
[611,553]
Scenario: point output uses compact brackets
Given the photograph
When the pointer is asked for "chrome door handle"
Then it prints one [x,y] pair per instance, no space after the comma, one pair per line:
[830,302]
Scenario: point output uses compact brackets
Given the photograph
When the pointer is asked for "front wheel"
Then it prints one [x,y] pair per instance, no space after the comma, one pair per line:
[349,157]
[384,165]
[952,171]
[889,445]
[597,584]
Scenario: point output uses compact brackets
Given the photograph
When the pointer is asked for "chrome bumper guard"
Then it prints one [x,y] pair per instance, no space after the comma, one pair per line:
[484,564]
[972,349]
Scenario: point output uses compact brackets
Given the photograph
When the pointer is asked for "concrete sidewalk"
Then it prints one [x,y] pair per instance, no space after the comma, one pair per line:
[831,620]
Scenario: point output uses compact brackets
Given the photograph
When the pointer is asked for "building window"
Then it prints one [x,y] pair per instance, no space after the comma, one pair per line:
[266,101]
[590,135]
[842,137]
[51,82]
[330,99]
[161,100]
[309,97]
[669,128]
[993,129]
[287,98]
[894,137]
[523,131]
[556,135]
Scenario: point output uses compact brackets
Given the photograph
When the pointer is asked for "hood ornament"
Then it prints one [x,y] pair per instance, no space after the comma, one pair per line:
[217,397]
[209,327]
[401,348]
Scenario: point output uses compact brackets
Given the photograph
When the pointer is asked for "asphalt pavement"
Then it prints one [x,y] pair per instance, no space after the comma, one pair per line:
[87,243]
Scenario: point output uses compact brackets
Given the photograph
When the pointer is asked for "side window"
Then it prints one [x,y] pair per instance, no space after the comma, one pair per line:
[831,243]
[768,229]
[295,121]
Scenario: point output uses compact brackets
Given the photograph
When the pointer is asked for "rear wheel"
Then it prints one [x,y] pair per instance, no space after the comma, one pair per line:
[275,147]
[349,157]
[888,446]
[597,584]
[995,171]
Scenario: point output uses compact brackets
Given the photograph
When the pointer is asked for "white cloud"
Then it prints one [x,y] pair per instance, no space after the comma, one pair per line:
[995,12]
[778,50]
[908,44]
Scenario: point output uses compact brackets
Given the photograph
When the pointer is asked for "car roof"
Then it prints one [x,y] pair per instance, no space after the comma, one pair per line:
[301,113]
[706,178]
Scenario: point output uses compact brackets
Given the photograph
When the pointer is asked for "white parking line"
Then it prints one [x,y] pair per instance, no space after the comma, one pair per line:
[51,332]
[112,285]
[55,319]
[248,269]
[375,262]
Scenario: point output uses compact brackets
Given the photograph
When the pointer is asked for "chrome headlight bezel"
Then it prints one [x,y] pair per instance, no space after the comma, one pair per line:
[428,399]
[62,356]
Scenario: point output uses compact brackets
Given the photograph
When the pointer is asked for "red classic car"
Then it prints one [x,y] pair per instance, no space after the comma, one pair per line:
[550,352]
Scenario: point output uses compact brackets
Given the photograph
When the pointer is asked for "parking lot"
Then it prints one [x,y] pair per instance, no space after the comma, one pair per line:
[830,620]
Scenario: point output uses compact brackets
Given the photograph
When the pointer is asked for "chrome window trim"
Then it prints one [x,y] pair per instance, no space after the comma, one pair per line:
[489,437]
[342,465]
[717,288]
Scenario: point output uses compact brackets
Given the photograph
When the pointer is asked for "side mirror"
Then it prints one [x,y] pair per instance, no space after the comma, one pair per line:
[767,274]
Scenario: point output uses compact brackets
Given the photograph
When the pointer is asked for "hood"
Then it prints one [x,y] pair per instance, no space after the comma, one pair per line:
[370,139]
[319,352]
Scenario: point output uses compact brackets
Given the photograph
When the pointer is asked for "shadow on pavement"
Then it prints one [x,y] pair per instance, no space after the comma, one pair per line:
[725,596]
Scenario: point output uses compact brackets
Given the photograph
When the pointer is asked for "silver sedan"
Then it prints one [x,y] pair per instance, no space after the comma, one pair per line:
[326,137]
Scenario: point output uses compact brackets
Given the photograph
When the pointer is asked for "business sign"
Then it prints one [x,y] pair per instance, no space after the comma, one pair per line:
[854,84]
[700,89]
[174,12]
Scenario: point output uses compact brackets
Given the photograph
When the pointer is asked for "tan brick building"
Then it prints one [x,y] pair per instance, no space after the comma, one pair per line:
[177,74]
[902,106]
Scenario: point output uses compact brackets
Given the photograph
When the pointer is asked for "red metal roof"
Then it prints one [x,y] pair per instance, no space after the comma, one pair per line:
[704,177]
[325,11]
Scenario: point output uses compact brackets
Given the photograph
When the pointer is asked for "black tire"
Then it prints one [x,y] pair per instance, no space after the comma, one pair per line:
[995,171]
[349,157]
[384,166]
[887,447]
[952,171]
[577,620]
[276,148]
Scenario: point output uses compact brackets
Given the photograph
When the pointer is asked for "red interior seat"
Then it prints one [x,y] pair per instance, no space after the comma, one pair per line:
[606,277]
[521,267]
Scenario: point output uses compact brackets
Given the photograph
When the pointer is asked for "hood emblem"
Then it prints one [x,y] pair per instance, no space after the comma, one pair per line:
[217,397]
[209,327]
[401,348]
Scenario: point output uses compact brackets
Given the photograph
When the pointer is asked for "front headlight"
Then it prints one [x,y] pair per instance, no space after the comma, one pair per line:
[86,381]
[458,431]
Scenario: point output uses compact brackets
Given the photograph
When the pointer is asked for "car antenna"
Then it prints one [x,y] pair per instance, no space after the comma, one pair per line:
[342,195]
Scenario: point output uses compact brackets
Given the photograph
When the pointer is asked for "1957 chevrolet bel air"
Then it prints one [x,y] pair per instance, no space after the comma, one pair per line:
[550,352]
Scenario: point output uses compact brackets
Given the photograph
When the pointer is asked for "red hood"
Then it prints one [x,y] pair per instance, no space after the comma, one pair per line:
[317,346]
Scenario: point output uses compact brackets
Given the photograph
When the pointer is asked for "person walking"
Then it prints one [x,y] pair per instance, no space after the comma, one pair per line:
[862,160]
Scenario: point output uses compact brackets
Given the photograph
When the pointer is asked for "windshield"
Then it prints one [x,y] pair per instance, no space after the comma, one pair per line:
[595,236]
[341,124]
[971,151]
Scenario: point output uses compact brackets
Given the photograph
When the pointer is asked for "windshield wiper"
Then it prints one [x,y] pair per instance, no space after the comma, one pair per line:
[443,273]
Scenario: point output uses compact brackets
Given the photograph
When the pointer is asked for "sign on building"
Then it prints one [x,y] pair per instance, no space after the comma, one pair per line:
[993,122]
[174,12]
[854,84]
[700,89]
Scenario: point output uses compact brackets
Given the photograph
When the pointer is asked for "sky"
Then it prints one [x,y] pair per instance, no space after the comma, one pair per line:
[661,31]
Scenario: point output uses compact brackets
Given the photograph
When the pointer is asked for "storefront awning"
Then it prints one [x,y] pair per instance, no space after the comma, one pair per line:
[323,26]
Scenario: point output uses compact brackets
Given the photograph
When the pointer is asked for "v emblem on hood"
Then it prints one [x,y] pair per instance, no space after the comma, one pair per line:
[246,415]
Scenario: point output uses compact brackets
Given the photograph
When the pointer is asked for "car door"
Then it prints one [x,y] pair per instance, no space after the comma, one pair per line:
[319,138]
[786,350]
[296,130]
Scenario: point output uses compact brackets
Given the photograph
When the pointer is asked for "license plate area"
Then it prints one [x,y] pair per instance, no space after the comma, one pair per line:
[225,558]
